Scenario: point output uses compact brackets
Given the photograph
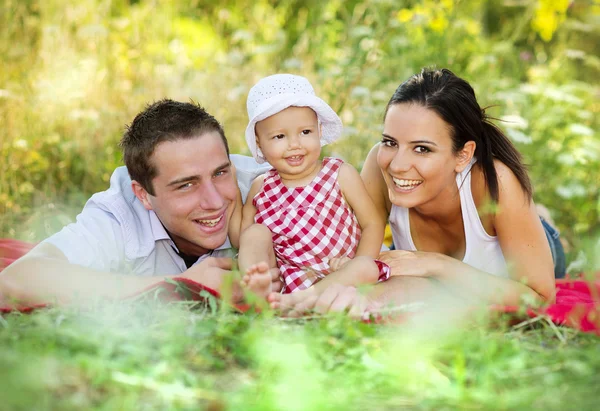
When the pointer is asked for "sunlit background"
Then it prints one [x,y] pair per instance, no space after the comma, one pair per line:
[75,72]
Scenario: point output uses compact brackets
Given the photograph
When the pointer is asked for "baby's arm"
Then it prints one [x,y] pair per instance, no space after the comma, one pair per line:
[235,222]
[359,270]
[371,223]
[249,211]
[243,214]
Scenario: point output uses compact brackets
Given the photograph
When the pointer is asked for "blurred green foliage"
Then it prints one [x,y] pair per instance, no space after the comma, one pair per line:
[147,356]
[74,73]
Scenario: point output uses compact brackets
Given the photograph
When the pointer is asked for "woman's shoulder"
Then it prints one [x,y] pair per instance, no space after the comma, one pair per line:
[483,199]
[507,182]
[479,189]
[508,186]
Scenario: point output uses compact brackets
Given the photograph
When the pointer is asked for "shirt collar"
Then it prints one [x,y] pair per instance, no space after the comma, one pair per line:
[159,233]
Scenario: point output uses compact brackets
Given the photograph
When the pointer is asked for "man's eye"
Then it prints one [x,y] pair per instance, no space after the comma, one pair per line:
[422,149]
[220,173]
[184,186]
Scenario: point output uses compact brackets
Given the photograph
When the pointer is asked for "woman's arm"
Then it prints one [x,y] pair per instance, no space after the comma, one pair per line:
[371,223]
[523,244]
[521,236]
[462,280]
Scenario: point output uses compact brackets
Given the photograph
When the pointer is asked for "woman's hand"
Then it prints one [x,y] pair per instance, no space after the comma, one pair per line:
[338,262]
[416,263]
[335,298]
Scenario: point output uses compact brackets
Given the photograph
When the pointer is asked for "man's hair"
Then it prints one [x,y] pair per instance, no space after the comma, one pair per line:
[165,120]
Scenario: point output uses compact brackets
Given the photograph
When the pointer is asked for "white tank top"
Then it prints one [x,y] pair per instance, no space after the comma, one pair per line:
[482,250]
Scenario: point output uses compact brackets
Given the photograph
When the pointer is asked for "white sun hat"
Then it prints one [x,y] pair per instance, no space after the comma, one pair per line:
[276,93]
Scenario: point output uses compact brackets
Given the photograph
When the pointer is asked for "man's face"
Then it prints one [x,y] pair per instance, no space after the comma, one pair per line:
[194,192]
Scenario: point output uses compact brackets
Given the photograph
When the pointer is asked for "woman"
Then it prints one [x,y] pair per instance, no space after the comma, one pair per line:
[459,202]
[454,188]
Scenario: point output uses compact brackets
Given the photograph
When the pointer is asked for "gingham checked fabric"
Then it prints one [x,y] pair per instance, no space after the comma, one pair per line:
[310,225]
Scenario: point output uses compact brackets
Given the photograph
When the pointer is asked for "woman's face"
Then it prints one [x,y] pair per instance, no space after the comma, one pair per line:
[416,156]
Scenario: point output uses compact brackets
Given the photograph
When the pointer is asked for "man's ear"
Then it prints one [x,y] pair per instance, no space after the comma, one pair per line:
[141,193]
[464,156]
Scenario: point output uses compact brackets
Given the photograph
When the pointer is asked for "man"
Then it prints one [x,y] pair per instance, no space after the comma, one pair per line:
[166,214]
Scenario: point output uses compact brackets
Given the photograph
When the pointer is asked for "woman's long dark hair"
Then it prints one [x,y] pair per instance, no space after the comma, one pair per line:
[453,99]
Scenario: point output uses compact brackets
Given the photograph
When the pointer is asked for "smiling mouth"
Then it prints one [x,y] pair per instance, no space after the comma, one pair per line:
[210,223]
[406,184]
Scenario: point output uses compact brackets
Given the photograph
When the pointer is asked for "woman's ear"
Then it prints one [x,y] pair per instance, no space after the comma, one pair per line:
[464,156]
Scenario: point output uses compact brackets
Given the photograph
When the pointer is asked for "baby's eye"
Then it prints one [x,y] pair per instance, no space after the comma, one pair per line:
[278,137]
[306,132]
[422,150]
[388,143]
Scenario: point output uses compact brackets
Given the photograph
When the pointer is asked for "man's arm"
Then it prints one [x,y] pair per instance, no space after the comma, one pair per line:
[44,275]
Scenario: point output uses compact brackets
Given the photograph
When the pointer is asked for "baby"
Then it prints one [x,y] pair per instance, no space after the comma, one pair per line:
[312,216]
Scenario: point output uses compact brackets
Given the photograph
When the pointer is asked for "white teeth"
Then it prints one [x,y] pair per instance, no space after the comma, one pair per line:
[406,183]
[210,223]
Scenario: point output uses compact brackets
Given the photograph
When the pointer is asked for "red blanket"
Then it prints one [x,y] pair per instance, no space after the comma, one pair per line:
[577,302]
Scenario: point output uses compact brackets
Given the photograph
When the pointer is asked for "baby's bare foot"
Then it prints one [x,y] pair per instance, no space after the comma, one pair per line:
[288,302]
[258,279]
[274,300]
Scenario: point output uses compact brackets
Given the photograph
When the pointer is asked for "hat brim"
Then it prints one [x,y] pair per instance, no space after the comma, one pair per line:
[331,124]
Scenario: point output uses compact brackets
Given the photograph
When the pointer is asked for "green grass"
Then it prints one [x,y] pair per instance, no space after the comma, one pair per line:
[154,356]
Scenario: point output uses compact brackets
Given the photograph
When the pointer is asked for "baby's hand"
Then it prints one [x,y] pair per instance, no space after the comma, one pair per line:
[338,262]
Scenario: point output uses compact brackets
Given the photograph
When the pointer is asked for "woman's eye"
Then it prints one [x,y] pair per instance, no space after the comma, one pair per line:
[422,149]
[388,143]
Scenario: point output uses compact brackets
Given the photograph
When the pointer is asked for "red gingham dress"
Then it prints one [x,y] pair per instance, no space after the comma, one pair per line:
[310,225]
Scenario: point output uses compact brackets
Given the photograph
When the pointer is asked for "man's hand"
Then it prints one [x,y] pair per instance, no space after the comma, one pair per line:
[210,272]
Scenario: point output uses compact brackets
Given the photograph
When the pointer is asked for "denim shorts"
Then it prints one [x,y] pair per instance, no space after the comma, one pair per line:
[558,252]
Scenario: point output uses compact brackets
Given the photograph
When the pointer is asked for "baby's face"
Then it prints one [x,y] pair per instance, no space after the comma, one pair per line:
[290,140]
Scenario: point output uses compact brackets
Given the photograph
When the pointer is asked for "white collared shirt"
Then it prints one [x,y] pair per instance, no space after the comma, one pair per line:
[115,233]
